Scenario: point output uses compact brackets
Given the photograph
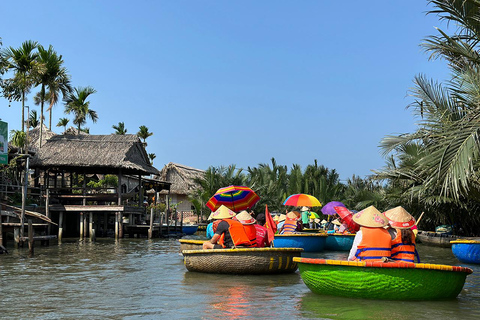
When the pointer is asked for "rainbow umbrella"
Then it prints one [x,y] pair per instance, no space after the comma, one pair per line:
[235,198]
[301,199]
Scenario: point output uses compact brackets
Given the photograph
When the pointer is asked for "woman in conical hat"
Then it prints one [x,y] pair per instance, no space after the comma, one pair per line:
[372,242]
[403,243]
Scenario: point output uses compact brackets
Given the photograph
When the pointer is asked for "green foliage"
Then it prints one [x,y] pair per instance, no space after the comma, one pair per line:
[120,128]
[76,103]
[109,181]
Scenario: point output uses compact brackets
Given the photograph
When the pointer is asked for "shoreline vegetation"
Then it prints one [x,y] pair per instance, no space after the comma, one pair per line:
[435,169]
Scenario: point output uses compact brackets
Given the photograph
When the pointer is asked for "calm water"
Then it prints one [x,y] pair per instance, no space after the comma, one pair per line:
[143,279]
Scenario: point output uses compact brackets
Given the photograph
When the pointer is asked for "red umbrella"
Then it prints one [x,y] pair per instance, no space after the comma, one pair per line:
[347,217]
[235,198]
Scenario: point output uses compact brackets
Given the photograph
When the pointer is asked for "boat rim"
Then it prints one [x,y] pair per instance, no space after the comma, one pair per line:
[380,264]
[465,241]
[302,235]
[234,250]
[195,241]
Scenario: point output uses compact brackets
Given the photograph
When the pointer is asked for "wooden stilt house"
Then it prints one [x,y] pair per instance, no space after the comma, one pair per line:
[72,172]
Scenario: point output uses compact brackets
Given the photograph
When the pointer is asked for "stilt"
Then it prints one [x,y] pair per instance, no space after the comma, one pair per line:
[60,227]
[1,228]
[31,243]
[116,225]
[150,230]
[81,225]
[16,236]
[120,225]
[90,226]
[47,210]
[85,224]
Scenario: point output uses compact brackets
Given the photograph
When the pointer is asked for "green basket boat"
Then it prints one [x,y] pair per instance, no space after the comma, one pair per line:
[242,261]
[189,244]
[382,280]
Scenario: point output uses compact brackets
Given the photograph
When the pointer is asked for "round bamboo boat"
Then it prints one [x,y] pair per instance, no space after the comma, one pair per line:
[382,280]
[309,242]
[242,261]
[339,241]
[189,244]
[189,229]
[467,251]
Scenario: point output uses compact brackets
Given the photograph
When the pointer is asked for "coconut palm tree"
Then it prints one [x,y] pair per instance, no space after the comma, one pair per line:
[76,103]
[152,156]
[55,78]
[33,119]
[143,133]
[63,122]
[120,128]
[23,61]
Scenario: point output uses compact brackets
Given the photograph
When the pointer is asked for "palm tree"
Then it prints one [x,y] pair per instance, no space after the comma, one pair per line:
[76,103]
[33,119]
[120,128]
[18,138]
[152,156]
[26,68]
[63,122]
[144,134]
[55,79]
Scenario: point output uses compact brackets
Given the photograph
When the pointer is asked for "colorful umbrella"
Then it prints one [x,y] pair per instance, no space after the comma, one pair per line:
[234,197]
[299,200]
[347,217]
[314,215]
[328,208]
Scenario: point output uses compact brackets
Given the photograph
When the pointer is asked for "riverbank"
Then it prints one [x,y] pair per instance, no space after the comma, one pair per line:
[146,279]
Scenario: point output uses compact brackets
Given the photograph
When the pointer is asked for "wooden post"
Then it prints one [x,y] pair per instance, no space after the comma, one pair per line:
[120,225]
[60,227]
[90,226]
[1,227]
[81,225]
[31,243]
[119,188]
[160,222]
[105,223]
[85,219]
[16,236]
[181,222]
[47,209]
[150,230]
[140,191]
[116,225]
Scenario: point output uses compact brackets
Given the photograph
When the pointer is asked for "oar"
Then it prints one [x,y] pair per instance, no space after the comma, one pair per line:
[418,221]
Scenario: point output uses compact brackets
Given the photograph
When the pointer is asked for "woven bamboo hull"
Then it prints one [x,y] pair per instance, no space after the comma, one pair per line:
[189,230]
[467,251]
[187,244]
[385,281]
[313,242]
[436,239]
[242,261]
[339,242]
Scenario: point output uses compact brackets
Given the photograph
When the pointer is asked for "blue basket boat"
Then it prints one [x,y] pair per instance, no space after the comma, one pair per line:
[339,242]
[188,230]
[467,251]
[309,242]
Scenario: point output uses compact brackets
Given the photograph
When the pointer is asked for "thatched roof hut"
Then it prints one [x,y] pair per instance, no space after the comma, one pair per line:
[181,177]
[95,154]
[34,137]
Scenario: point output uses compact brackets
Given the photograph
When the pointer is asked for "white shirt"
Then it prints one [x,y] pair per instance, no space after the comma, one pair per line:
[356,242]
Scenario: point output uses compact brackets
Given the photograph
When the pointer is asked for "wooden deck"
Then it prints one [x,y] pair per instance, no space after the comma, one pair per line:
[96,208]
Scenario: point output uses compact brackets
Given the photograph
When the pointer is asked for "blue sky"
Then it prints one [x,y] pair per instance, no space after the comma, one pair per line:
[239,82]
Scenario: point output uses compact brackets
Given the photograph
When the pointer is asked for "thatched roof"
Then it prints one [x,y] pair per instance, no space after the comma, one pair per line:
[97,153]
[34,137]
[74,131]
[181,177]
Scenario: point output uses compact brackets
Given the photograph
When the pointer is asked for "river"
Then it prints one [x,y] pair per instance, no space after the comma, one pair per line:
[146,279]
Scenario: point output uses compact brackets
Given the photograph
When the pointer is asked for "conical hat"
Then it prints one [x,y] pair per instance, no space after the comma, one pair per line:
[210,217]
[223,213]
[292,215]
[245,218]
[276,218]
[399,218]
[370,217]
[305,209]
[336,222]
[282,217]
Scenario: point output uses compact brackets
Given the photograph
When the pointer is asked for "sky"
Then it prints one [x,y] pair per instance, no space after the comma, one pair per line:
[239,82]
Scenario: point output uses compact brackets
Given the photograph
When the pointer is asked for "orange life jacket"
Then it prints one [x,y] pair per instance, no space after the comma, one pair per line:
[238,234]
[289,226]
[404,252]
[251,232]
[375,244]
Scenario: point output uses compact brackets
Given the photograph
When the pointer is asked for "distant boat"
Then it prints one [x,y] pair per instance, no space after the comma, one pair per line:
[436,239]
[189,229]
[310,242]
[339,242]
[467,251]
[382,280]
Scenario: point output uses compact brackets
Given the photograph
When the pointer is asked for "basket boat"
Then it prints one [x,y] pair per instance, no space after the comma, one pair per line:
[467,251]
[436,239]
[242,261]
[189,244]
[339,242]
[382,280]
[309,242]
[189,230]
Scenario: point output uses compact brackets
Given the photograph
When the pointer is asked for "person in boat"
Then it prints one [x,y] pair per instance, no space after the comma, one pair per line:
[261,234]
[373,241]
[281,221]
[248,223]
[403,238]
[336,226]
[230,233]
[305,216]
[212,227]
[292,223]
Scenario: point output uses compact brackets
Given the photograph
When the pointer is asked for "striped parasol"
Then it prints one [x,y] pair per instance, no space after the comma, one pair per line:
[235,198]
[301,199]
